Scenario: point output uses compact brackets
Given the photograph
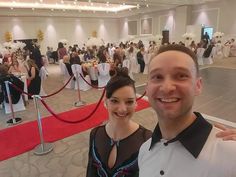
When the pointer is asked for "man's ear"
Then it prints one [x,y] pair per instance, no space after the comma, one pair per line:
[198,89]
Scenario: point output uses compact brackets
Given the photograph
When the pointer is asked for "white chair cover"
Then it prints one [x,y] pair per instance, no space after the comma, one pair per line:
[43,75]
[147,58]
[209,61]
[19,106]
[103,74]
[77,70]
[135,68]
[218,51]
[126,63]
[16,107]
[66,75]
[200,52]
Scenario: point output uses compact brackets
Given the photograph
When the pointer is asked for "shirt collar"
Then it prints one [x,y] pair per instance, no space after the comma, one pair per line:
[192,138]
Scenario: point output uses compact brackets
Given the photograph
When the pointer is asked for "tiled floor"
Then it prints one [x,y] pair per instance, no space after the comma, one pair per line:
[69,157]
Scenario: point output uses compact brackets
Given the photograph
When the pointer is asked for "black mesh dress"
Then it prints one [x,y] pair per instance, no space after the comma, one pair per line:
[126,164]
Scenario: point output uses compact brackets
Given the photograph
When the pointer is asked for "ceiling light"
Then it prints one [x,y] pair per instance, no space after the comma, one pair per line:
[85,6]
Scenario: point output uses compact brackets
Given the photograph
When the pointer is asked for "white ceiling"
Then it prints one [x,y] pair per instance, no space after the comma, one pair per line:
[75,8]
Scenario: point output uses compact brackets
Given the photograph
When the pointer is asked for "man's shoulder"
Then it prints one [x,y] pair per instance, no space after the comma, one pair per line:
[146,145]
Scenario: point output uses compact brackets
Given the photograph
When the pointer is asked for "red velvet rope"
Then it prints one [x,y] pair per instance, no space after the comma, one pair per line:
[22,91]
[141,96]
[59,89]
[89,83]
[104,87]
[77,121]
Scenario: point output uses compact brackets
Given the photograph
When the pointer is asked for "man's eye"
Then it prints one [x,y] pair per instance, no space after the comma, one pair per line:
[182,76]
[156,77]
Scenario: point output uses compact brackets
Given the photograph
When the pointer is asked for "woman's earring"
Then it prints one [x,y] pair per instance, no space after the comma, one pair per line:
[105,104]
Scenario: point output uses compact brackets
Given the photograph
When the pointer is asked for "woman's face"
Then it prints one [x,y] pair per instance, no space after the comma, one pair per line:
[121,105]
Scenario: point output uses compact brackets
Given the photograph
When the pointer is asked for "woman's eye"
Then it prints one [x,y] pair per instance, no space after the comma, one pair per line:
[113,101]
[130,102]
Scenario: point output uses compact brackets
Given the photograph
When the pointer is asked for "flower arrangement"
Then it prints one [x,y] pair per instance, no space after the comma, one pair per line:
[218,35]
[10,47]
[40,35]
[188,36]
[94,42]
[8,36]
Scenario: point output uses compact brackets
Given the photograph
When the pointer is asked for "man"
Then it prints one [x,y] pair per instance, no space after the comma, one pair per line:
[206,37]
[183,143]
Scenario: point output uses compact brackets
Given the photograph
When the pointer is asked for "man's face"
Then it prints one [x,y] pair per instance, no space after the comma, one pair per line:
[172,84]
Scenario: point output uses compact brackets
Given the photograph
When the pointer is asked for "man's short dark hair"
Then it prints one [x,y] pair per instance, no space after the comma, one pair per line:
[180,48]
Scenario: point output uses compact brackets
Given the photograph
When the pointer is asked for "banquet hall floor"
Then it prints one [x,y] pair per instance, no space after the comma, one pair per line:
[69,157]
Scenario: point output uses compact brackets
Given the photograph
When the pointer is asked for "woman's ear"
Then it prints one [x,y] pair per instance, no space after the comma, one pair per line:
[105,103]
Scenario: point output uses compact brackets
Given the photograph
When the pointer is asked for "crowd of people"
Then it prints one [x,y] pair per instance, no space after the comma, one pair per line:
[183,142]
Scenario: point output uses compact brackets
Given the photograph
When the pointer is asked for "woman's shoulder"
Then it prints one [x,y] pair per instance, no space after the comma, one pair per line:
[146,133]
[96,129]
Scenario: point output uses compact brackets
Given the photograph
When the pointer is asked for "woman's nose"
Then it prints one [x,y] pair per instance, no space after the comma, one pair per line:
[122,107]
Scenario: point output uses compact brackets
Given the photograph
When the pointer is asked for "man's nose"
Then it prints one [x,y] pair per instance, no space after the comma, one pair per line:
[168,85]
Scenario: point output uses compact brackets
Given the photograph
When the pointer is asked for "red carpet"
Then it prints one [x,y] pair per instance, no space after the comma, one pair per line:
[24,137]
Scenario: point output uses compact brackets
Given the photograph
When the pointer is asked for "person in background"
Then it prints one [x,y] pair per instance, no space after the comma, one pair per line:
[114,147]
[34,80]
[74,57]
[49,53]
[206,38]
[14,66]
[66,61]
[140,58]
[183,143]
[61,51]
[36,55]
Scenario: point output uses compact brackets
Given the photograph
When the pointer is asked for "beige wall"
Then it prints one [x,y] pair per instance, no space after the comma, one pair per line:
[74,30]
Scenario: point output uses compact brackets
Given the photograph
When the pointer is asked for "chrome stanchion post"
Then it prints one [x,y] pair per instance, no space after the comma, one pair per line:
[14,120]
[42,148]
[79,102]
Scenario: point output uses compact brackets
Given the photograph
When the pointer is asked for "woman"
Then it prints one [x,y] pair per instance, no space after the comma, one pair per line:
[114,147]
[61,51]
[14,66]
[33,78]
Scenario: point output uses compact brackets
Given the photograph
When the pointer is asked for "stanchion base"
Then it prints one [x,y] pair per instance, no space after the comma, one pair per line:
[79,103]
[42,149]
[14,121]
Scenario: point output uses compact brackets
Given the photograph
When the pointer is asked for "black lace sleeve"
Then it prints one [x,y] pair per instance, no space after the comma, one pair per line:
[91,171]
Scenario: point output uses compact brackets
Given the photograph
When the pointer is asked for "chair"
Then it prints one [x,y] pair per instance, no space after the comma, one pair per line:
[126,63]
[200,52]
[43,75]
[66,75]
[103,74]
[19,106]
[135,68]
[77,71]
[208,60]
[147,58]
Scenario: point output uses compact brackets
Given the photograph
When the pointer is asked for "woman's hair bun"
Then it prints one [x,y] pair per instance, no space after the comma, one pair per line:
[119,72]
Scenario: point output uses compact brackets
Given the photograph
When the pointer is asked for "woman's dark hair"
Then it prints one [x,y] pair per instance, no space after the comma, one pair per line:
[119,78]
[60,45]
